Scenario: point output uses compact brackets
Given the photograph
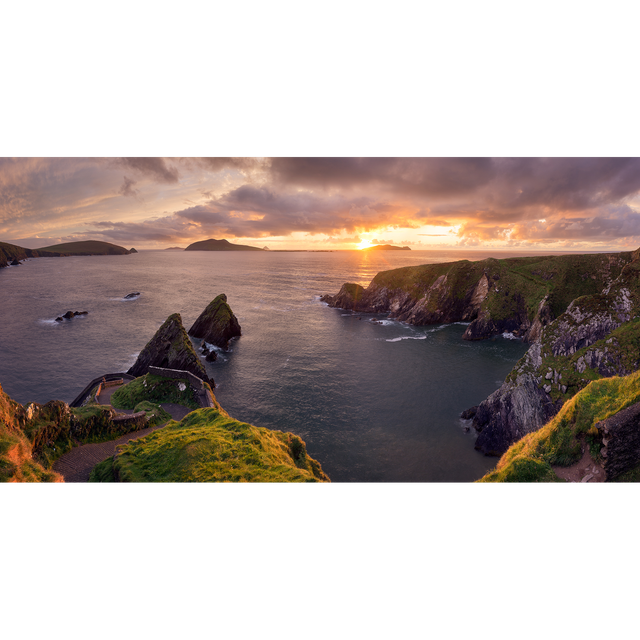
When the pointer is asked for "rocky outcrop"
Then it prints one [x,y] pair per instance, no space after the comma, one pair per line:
[217,324]
[518,407]
[132,295]
[170,348]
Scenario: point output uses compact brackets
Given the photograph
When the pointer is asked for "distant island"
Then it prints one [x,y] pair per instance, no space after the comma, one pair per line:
[386,247]
[13,254]
[174,249]
[219,245]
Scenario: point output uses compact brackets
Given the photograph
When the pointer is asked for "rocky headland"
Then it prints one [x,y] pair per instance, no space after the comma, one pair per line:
[580,314]
[217,324]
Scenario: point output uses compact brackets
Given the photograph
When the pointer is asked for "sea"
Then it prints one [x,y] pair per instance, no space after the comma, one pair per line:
[374,399]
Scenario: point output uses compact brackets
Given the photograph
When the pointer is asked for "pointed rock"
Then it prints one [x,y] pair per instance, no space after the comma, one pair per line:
[169,348]
[217,324]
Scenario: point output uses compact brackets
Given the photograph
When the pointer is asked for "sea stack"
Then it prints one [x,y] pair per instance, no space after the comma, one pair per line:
[169,348]
[217,324]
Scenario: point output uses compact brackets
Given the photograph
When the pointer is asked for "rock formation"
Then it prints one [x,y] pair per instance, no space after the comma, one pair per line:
[217,324]
[170,348]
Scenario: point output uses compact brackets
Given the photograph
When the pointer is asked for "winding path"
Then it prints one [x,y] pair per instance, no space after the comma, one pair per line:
[76,465]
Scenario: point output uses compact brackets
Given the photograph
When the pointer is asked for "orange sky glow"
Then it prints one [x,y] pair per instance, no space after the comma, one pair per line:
[536,204]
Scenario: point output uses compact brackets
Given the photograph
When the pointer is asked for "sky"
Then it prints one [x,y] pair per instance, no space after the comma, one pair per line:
[529,204]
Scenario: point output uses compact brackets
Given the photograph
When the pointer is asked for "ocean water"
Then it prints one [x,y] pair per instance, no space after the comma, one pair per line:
[375,402]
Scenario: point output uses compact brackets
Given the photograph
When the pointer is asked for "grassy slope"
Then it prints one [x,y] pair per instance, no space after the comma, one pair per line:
[559,441]
[210,446]
[16,459]
[153,389]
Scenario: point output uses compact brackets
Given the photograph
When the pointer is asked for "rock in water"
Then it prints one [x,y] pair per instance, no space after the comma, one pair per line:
[169,348]
[217,324]
[132,295]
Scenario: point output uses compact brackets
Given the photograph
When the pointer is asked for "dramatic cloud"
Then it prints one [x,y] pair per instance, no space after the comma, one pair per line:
[151,201]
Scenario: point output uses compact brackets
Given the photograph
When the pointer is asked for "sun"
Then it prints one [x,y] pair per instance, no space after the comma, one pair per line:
[364,244]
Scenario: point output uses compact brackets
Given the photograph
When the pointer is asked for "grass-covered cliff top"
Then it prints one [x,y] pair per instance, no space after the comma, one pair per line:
[208,445]
[560,441]
[513,281]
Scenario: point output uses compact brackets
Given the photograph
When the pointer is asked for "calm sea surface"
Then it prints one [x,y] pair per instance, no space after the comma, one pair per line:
[373,402]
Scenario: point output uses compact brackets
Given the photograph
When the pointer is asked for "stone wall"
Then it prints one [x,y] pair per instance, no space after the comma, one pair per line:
[621,439]
[203,395]
[176,374]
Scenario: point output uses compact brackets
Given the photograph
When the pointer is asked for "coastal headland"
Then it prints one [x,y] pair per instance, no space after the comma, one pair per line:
[580,314]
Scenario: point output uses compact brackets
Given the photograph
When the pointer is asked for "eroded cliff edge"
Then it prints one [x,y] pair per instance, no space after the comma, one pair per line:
[580,314]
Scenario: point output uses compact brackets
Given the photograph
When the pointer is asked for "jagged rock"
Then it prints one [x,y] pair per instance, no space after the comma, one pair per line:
[68,315]
[15,263]
[131,295]
[212,356]
[59,319]
[132,250]
[217,324]
[169,348]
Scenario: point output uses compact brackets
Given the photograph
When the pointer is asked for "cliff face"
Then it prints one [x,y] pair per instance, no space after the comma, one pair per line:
[518,295]
[217,324]
[169,348]
[597,336]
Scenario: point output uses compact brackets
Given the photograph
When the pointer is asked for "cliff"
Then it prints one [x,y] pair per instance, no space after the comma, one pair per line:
[517,295]
[217,324]
[598,336]
[169,348]
[599,427]
[220,245]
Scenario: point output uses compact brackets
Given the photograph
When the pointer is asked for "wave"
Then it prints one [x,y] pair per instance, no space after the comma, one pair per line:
[507,335]
[406,338]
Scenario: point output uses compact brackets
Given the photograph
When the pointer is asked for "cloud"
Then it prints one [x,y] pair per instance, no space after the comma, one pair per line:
[127,188]
[156,168]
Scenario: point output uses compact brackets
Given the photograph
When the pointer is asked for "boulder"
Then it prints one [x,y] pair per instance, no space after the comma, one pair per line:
[15,263]
[217,324]
[212,356]
[59,319]
[131,295]
[68,315]
[169,348]
[132,250]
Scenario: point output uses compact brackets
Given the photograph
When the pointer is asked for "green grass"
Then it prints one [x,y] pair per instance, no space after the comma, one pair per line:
[210,446]
[154,389]
[559,442]
[155,413]
[103,472]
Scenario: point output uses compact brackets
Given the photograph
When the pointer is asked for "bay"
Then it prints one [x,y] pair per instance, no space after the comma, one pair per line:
[374,402]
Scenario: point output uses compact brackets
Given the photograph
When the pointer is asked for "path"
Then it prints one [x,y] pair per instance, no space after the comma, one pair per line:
[76,465]
[585,470]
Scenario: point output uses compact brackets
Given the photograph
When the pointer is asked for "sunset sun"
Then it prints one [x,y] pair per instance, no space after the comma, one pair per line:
[365,244]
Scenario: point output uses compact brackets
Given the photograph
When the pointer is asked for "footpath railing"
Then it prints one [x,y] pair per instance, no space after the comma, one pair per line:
[108,379]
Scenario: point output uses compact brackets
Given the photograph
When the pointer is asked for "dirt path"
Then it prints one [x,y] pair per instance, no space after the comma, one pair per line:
[585,470]
[76,465]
